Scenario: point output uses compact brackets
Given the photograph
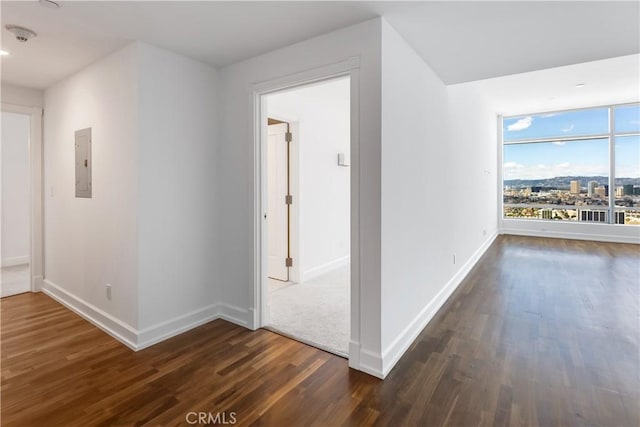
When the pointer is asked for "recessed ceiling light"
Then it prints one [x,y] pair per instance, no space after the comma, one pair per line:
[4,53]
[580,85]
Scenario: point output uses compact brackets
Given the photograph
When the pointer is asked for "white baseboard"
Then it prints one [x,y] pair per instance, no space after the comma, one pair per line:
[239,316]
[139,339]
[573,236]
[399,346]
[364,360]
[371,363]
[37,283]
[354,355]
[16,260]
[320,270]
[154,334]
[116,328]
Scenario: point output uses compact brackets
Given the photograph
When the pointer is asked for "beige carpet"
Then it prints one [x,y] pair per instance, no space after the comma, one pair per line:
[315,312]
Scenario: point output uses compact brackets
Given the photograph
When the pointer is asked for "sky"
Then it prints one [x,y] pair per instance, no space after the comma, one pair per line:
[571,158]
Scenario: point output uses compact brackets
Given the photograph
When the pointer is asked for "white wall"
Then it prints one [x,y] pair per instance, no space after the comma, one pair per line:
[149,229]
[437,199]
[92,242]
[177,199]
[235,170]
[15,189]
[18,95]
[322,112]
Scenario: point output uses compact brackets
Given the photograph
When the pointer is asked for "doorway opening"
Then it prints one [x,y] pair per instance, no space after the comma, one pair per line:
[307,291]
[15,277]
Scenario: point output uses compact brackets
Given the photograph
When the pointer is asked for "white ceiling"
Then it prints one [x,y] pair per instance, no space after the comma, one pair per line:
[467,41]
[462,41]
[608,81]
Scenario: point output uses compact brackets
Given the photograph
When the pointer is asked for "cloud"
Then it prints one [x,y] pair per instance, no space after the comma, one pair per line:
[521,124]
[558,142]
[544,116]
[542,166]
[512,165]
[568,128]
[563,165]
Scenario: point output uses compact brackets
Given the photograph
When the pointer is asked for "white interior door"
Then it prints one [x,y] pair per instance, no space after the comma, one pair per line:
[277,209]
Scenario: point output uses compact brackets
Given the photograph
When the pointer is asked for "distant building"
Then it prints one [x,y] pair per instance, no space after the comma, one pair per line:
[546,213]
[620,191]
[591,188]
[575,187]
[589,215]
[601,192]
[636,191]
[628,189]
[619,217]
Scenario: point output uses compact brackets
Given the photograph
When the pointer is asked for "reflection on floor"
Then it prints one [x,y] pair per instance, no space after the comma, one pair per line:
[14,280]
[315,312]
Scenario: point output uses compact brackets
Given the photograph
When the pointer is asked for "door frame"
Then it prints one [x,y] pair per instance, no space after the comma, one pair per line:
[36,235]
[350,67]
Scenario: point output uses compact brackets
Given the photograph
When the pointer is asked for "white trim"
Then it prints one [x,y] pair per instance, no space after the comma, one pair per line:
[16,260]
[239,316]
[354,354]
[325,268]
[36,259]
[139,339]
[499,168]
[37,283]
[371,363]
[399,346]
[537,232]
[118,329]
[154,334]
[350,68]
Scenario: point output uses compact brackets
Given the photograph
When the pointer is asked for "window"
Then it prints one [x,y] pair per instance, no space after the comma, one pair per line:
[562,166]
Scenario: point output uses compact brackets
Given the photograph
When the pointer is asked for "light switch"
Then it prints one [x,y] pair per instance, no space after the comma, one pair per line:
[343,160]
[83,162]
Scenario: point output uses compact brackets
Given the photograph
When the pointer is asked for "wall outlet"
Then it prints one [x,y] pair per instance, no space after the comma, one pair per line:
[108,289]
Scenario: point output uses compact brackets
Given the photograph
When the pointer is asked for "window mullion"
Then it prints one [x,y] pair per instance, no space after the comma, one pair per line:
[612,168]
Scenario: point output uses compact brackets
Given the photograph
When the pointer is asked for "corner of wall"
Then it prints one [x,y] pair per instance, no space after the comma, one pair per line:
[392,354]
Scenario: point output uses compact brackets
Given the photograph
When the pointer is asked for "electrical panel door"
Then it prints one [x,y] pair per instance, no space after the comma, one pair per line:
[83,163]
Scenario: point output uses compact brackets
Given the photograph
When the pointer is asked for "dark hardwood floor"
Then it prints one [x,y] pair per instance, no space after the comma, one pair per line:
[542,332]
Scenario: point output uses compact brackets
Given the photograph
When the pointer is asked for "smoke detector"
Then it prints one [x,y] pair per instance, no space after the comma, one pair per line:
[50,4]
[22,34]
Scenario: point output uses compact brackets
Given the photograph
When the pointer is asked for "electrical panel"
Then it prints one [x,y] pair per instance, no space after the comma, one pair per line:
[83,163]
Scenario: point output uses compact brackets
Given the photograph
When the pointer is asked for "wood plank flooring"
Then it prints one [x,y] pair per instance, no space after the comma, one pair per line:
[542,332]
